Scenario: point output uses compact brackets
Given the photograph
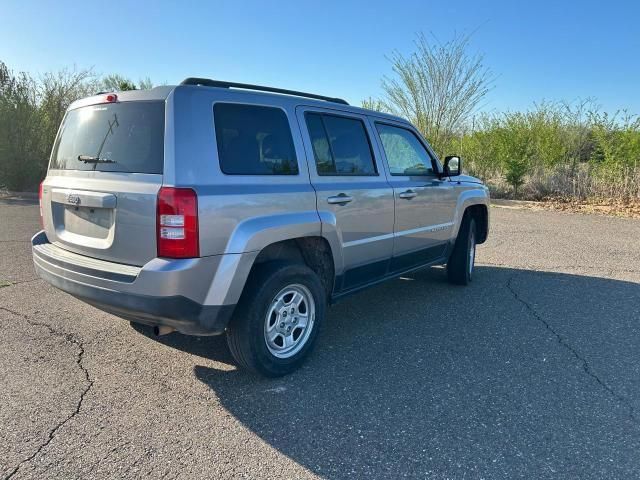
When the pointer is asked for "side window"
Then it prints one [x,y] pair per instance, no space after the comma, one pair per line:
[254,140]
[405,153]
[340,145]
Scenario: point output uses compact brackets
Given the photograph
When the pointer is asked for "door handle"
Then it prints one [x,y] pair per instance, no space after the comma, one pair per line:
[408,195]
[341,199]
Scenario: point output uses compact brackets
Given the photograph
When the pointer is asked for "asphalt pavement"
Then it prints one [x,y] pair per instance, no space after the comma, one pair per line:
[532,371]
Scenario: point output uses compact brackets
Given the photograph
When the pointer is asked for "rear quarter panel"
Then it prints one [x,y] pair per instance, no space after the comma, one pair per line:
[237,213]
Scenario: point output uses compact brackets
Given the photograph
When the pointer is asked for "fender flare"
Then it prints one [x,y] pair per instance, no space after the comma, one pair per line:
[256,233]
[253,235]
[468,198]
[332,234]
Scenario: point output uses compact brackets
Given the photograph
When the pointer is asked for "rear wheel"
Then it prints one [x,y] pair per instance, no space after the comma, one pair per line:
[277,320]
[462,261]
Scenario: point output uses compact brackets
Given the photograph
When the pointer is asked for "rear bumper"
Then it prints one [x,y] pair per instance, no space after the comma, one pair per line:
[165,292]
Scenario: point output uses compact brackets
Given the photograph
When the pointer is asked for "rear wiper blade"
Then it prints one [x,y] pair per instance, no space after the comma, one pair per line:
[91,159]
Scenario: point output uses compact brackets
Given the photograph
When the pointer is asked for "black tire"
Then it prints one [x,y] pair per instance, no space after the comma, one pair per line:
[246,331]
[461,264]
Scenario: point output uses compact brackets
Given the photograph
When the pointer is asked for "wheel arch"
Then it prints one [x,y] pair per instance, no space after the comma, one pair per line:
[313,251]
[473,202]
[480,213]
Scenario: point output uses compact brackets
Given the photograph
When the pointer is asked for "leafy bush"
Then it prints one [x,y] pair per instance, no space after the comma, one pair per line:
[557,151]
[31,111]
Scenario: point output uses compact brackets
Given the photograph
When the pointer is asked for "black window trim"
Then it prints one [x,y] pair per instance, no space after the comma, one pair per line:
[322,113]
[251,104]
[435,162]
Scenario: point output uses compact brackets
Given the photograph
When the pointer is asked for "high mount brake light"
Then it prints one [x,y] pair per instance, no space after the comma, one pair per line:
[177,223]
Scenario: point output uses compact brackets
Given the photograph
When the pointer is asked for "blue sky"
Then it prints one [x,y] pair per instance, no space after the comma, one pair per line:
[537,50]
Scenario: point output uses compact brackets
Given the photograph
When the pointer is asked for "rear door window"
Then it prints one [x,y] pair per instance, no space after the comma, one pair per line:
[112,137]
[254,140]
[340,145]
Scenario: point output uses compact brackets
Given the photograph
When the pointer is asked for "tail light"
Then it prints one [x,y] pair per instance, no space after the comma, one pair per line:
[177,223]
[40,203]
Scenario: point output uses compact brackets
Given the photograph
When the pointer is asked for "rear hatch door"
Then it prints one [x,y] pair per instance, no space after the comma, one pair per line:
[99,197]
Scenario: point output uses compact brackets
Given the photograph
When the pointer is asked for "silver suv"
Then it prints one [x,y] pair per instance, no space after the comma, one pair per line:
[215,207]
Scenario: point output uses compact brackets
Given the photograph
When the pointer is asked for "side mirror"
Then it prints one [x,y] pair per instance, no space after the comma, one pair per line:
[452,166]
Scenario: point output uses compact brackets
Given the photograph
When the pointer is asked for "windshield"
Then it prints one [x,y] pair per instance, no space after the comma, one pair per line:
[113,137]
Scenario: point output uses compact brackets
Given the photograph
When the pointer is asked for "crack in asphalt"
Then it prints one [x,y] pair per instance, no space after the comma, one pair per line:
[109,453]
[561,340]
[89,383]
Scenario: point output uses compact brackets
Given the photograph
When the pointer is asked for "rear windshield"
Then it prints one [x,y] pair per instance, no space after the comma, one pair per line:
[113,137]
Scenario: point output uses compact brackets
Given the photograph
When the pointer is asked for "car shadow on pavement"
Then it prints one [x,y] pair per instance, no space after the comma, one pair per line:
[522,373]
[213,348]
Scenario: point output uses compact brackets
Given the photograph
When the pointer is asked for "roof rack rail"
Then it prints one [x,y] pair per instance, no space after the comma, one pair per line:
[206,82]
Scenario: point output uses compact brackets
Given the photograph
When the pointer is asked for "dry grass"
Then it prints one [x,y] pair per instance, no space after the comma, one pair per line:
[612,208]
[617,209]
[578,190]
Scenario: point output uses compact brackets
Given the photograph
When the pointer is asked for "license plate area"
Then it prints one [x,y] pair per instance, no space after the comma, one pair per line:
[88,221]
[84,218]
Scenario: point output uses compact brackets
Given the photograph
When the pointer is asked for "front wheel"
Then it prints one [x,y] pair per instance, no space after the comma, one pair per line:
[277,320]
[462,261]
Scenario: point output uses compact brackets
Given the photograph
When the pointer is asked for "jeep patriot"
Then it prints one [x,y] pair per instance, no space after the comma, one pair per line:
[214,207]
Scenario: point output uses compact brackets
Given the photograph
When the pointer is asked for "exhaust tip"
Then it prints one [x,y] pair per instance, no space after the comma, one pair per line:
[160,330]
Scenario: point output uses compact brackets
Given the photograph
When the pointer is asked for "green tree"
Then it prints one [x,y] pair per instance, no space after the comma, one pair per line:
[145,84]
[117,83]
[438,87]
[30,113]
[374,104]
[20,129]
[516,169]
